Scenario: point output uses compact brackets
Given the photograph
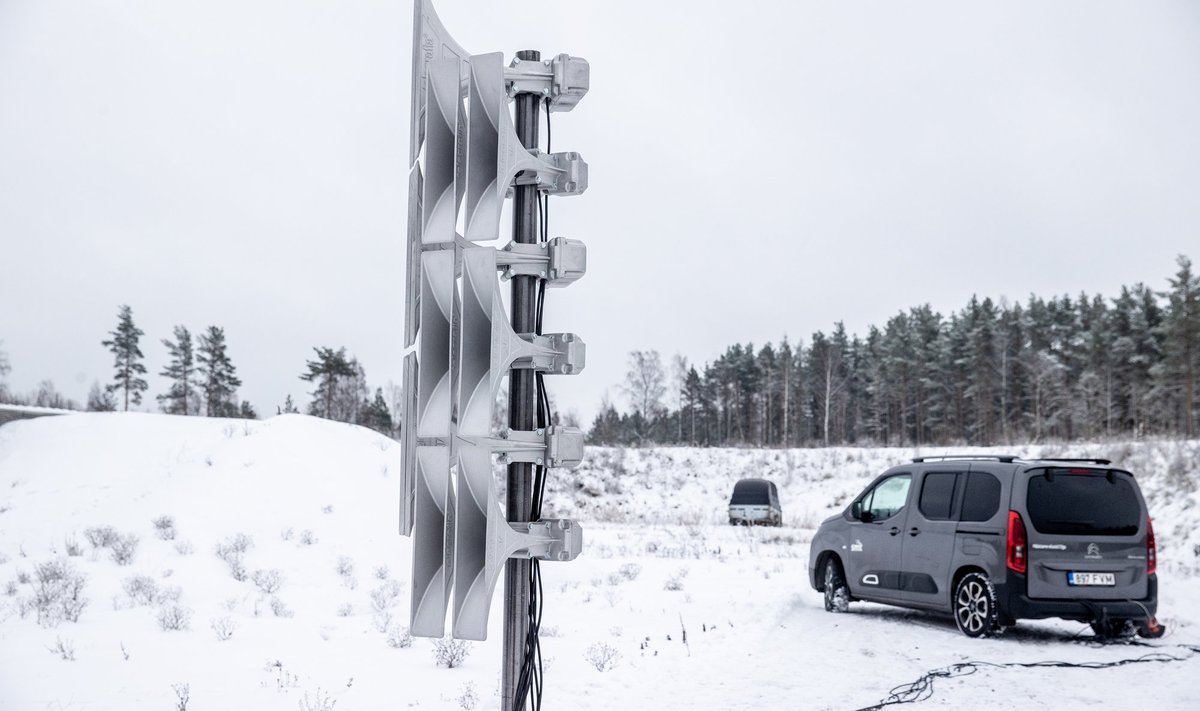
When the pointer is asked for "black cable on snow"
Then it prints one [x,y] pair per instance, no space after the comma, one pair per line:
[922,688]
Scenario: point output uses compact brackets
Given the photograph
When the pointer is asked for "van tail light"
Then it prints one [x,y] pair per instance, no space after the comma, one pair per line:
[1018,543]
[1151,548]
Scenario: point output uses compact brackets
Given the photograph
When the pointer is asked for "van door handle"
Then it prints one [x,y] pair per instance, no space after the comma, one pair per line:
[894,531]
[914,531]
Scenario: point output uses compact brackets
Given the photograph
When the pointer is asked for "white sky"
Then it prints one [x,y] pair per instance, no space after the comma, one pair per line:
[757,169]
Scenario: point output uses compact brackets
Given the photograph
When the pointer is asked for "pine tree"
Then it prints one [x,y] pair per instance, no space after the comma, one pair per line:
[289,407]
[100,399]
[1181,329]
[217,377]
[246,411]
[324,371]
[181,398]
[127,358]
[376,414]
[5,369]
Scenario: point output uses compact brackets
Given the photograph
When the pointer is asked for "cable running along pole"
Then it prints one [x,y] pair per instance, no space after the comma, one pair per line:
[522,405]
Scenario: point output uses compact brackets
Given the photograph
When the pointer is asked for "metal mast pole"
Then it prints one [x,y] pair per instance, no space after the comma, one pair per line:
[522,405]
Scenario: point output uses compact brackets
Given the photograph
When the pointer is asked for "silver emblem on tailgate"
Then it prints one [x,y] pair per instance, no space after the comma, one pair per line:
[1093,551]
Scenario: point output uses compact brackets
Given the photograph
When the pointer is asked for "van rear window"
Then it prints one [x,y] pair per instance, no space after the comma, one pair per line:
[751,492]
[1083,504]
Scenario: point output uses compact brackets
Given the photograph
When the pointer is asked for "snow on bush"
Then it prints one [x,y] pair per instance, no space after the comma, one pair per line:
[603,656]
[267,581]
[72,547]
[383,599]
[449,652]
[173,616]
[164,528]
[64,648]
[123,548]
[223,627]
[232,550]
[57,593]
[100,536]
[141,589]
[280,609]
[468,697]
[398,637]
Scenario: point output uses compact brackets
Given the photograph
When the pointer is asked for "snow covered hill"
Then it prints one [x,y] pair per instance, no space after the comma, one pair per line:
[256,565]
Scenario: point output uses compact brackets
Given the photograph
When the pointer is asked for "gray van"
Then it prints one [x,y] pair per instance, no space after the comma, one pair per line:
[755,501]
[991,540]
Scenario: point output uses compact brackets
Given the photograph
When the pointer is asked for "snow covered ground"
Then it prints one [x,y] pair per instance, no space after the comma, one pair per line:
[318,502]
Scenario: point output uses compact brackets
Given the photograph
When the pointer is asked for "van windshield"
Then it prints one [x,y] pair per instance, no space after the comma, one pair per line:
[1061,502]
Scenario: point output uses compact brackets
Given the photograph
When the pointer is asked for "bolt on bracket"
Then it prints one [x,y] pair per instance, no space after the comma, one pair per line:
[560,261]
[564,173]
[564,80]
[557,447]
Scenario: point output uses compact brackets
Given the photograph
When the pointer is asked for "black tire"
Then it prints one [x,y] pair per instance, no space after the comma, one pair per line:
[837,595]
[974,606]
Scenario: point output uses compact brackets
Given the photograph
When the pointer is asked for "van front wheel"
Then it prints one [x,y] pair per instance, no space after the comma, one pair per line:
[975,606]
[837,595]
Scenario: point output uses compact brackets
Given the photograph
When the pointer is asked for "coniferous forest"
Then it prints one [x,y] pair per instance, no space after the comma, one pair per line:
[1062,368]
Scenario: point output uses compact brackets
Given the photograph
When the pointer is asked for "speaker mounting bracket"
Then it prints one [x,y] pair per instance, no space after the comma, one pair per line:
[564,80]
[560,261]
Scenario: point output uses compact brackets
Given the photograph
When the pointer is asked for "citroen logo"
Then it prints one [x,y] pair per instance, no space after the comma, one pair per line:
[1093,551]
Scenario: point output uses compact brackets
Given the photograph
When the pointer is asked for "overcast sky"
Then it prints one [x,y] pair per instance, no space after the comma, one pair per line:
[756,169]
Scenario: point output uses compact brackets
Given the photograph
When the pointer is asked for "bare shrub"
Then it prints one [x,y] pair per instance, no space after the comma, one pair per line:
[345,610]
[345,566]
[320,701]
[58,593]
[280,609]
[183,694]
[10,588]
[173,616]
[64,648]
[23,577]
[168,594]
[549,631]
[383,599]
[101,536]
[223,627]
[124,548]
[382,573]
[286,534]
[164,528]
[232,550]
[602,656]
[307,538]
[184,547]
[674,583]
[141,589]
[267,581]
[398,637]
[71,544]
[468,697]
[449,652]
[630,571]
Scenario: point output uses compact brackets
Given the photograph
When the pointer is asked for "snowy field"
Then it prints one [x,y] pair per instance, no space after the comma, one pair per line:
[667,608]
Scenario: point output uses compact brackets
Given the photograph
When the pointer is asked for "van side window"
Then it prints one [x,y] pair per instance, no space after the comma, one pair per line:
[982,497]
[937,495]
[888,497]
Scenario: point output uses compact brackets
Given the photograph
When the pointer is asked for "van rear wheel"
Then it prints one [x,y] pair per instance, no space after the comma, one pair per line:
[837,595]
[975,606]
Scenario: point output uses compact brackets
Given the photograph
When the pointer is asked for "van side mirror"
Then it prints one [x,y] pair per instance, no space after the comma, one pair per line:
[856,510]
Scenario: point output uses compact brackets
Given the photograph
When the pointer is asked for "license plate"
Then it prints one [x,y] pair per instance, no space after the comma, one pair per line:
[1074,578]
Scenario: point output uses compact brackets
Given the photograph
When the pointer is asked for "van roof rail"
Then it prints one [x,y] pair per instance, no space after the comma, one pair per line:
[1005,458]
[1092,460]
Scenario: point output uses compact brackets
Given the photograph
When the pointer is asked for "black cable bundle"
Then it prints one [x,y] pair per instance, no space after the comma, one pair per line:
[529,683]
[922,688]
